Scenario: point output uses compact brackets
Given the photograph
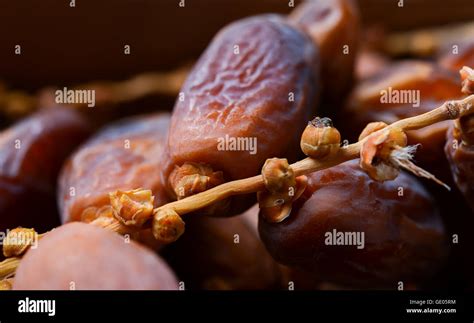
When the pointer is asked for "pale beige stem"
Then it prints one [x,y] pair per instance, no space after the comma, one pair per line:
[114,225]
[448,111]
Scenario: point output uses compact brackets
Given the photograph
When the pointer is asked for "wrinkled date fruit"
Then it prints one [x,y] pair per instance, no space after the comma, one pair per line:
[349,229]
[123,156]
[247,99]
[32,152]
[81,256]
[223,254]
[334,27]
[404,90]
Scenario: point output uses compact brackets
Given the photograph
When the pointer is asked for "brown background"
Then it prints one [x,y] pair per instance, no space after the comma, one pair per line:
[63,45]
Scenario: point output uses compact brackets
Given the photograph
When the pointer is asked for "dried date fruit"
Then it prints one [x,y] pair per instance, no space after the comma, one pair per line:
[32,152]
[123,156]
[334,26]
[83,257]
[349,229]
[247,99]
[223,254]
[35,148]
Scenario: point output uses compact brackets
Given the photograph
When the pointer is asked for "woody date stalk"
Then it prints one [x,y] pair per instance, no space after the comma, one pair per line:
[448,111]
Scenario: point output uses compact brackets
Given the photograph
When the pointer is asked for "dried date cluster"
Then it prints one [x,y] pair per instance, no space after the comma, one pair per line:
[180,187]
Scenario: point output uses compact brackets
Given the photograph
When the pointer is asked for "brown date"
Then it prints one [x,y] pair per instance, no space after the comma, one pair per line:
[35,147]
[256,82]
[403,235]
[84,257]
[334,26]
[123,156]
[32,152]
[223,254]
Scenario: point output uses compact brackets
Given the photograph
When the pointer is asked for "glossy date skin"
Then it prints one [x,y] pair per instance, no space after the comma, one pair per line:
[36,147]
[123,156]
[245,95]
[332,25]
[208,257]
[84,257]
[31,154]
[404,235]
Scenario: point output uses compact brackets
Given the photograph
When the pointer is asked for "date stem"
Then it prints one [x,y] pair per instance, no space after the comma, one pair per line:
[449,110]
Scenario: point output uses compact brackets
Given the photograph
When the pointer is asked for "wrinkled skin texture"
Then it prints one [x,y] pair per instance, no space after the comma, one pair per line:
[332,24]
[461,160]
[91,258]
[435,85]
[404,236]
[31,154]
[104,164]
[245,95]
[206,257]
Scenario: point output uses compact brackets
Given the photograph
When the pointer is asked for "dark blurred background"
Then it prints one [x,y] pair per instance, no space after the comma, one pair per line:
[63,45]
